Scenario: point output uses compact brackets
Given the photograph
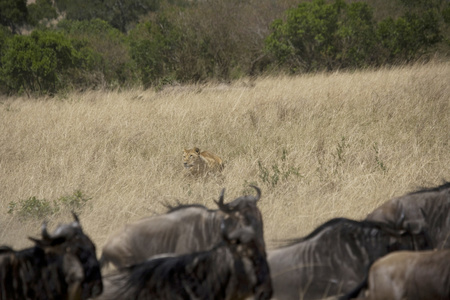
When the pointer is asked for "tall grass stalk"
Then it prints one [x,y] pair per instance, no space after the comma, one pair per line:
[356,139]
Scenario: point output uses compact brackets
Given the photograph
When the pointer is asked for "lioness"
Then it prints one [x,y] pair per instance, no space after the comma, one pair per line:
[200,163]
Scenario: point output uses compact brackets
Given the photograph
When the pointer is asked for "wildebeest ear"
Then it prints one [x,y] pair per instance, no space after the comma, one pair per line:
[48,242]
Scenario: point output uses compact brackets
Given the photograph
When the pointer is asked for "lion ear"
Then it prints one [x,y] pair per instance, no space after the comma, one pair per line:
[197,150]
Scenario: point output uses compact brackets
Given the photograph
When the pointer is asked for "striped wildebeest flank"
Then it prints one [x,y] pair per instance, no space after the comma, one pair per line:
[333,259]
[412,275]
[184,229]
[235,268]
[426,209]
[61,265]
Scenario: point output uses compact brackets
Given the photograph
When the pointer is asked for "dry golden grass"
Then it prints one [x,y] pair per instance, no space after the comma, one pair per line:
[356,139]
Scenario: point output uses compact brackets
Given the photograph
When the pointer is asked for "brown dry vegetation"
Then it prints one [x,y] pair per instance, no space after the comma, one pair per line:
[356,139]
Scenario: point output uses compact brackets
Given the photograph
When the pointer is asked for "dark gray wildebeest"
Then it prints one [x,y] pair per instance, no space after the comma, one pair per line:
[426,209]
[61,265]
[412,275]
[235,268]
[184,229]
[333,259]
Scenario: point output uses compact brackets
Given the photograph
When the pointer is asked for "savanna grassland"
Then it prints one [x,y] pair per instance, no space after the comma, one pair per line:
[319,146]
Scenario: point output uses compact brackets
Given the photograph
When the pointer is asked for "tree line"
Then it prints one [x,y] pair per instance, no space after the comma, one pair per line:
[52,46]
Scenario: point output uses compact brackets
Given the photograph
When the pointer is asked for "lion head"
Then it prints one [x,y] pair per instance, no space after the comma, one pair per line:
[191,158]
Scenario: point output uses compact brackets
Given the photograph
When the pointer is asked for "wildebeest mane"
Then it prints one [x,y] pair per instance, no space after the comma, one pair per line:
[445,185]
[151,273]
[19,279]
[349,226]
[6,249]
[179,206]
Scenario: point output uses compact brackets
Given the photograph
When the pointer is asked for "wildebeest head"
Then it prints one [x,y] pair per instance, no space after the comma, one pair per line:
[243,224]
[71,240]
[426,210]
[245,212]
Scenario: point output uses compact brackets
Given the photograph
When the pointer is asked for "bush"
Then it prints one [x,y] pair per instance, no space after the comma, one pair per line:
[306,40]
[35,208]
[317,35]
[408,37]
[31,208]
[119,13]
[41,10]
[5,35]
[13,14]
[36,63]
[277,173]
[152,47]
[356,44]
[106,58]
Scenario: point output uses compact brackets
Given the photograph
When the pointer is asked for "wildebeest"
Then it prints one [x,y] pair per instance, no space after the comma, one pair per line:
[61,265]
[184,229]
[334,258]
[426,209]
[412,275]
[235,268]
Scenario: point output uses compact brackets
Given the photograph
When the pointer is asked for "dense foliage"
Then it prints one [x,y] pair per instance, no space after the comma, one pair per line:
[319,35]
[118,43]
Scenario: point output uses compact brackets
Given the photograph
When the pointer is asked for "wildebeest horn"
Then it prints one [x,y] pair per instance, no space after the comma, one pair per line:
[75,217]
[45,234]
[258,191]
[222,206]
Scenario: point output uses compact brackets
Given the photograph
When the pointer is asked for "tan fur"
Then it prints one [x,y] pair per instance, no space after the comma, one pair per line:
[201,162]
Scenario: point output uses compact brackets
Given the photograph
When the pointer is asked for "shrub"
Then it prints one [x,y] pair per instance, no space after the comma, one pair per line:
[35,208]
[277,173]
[35,63]
[118,13]
[106,59]
[31,208]
[356,44]
[152,47]
[13,14]
[40,10]
[306,39]
[318,35]
[408,37]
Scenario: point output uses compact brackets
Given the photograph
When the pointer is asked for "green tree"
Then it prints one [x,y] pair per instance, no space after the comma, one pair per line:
[320,35]
[306,39]
[410,36]
[152,47]
[119,13]
[40,10]
[13,14]
[35,63]
[356,38]
[105,51]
